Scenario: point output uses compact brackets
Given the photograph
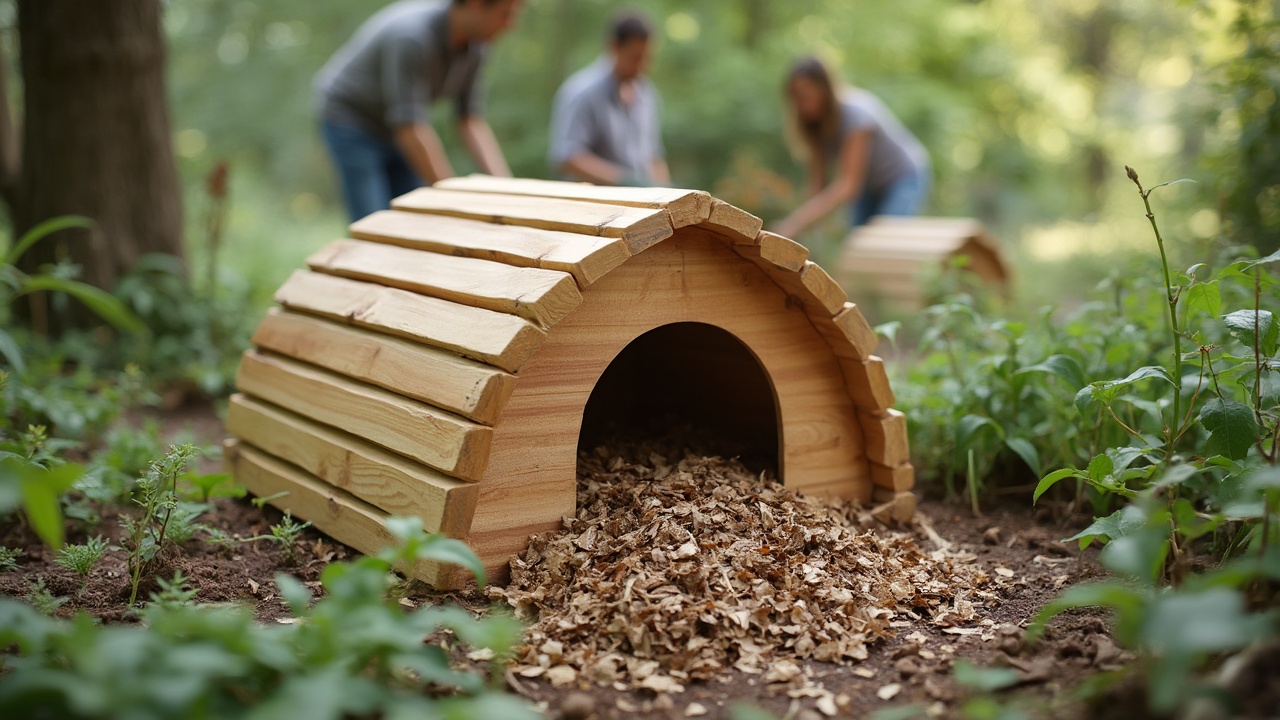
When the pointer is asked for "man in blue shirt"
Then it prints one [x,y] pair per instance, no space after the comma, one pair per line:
[605,123]
[377,90]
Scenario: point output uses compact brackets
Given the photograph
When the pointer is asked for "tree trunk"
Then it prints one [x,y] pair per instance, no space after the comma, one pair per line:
[96,137]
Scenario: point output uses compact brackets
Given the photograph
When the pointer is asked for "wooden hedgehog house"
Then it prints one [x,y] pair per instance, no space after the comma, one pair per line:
[440,363]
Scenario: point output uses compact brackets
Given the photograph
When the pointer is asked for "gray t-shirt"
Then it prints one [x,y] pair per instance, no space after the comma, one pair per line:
[396,65]
[894,150]
[589,115]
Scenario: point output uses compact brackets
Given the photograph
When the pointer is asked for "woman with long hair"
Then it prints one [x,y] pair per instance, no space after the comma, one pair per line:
[858,153]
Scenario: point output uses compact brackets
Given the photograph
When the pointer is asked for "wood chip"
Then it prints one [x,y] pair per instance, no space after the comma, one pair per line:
[679,567]
[888,692]
[695,710]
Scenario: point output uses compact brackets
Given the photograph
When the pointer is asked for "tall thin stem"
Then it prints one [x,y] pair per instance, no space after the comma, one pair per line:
[1171,433]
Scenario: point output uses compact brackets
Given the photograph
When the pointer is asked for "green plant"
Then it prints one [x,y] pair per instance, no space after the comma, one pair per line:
[81,559]
[145,535]
[9,558]
[353,653]
[286,533]
[173,593]
[43,599]
[1199,474]
[14,284]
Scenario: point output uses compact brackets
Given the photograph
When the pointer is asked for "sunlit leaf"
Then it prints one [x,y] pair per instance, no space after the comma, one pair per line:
[41,231]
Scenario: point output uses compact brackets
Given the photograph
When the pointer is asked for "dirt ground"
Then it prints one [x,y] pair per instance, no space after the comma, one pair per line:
[1027,564]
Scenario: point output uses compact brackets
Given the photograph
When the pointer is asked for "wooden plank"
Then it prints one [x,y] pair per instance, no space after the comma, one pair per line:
[333,512]
[505,341]
[897,479]
[894,507]
[439,439]
[380,478]
[639,228]
[783,252]
[739,225]
[823,288]
[868,383]
[686,207]
[885,437]
[472,389]
[543,296]
[857,331]
[586,257]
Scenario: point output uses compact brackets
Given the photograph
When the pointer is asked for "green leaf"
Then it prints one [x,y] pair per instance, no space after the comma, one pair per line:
[454,552]
[1052,479]
[1232,428]
[294,593]
[1203,297]
[1100,467]
[103,304]
[9,348]
[1209,621]
[1244,323]
[1168,183]
[984,679]
[1125,600]
[1062,366]
[1025,450]
[41,231]
[1126,520]
[968,429]
[1139,555]
[1273,257]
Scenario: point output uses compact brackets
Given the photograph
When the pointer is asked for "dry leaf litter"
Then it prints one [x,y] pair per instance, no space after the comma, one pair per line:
[679,567]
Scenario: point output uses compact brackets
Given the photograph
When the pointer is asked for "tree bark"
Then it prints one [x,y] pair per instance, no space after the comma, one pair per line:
[96,138]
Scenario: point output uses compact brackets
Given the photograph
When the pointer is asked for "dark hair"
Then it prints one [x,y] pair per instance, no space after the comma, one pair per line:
[629,25]
[809,136]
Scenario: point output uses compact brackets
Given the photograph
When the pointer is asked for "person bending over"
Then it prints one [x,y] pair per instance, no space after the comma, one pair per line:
[605,122]
[858,153]
[376,94]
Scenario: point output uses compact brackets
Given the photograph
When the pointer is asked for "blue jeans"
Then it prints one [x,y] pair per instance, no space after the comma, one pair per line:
[903,196]
[372,170]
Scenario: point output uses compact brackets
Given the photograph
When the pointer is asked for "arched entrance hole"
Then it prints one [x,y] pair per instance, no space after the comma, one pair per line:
[688,375]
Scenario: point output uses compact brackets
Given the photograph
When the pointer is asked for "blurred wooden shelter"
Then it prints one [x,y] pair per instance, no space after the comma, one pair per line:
[893,258]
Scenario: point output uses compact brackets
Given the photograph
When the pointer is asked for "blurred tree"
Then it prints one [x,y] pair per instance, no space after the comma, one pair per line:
[95,138]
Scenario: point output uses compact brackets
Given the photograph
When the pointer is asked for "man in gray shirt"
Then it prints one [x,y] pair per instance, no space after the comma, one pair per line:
[604,125]
[376,94]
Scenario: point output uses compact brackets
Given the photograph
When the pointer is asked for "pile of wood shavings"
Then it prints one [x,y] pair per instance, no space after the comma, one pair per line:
[678,567]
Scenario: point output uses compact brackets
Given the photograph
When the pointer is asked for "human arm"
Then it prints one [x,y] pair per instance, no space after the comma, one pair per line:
[659,173]
[588,166]
[483,146]
[421,146]
[848,182]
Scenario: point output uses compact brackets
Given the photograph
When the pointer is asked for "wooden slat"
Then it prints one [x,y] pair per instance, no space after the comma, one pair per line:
[686,207]
[858,331]
[330,510]
[441,378]
[897,507]
[783,252]
[885,437]
[868,383]
[543,296]
[588,258]
[505,341]
[380,478]
[442,440]
[639,228]
[897,479]
[739,225]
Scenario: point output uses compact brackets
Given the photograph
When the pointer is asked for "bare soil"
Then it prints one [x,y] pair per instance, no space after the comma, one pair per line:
[911,665]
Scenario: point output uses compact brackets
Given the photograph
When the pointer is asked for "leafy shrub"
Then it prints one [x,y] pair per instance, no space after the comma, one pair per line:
[354,652]
[157,495]
[1199,471]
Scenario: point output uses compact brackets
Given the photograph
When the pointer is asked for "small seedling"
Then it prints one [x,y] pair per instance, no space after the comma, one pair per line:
[145,535]
[212,485]
[42,599]
[287,532]
[261,502]
[9,558]
[82,558]
[173,593]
